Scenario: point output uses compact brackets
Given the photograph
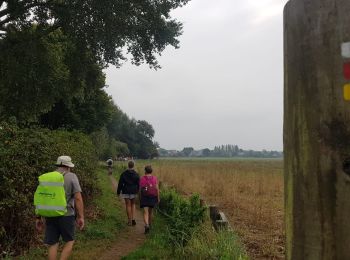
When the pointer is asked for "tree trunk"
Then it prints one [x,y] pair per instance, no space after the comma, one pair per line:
[316,130]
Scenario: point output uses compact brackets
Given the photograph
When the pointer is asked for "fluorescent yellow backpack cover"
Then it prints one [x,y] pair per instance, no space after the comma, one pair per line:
[50,197]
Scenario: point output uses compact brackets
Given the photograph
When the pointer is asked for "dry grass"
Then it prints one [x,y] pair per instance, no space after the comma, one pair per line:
[250,192]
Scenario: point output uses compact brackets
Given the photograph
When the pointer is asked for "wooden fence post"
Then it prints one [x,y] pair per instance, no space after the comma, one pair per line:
[218,218]
[213,211]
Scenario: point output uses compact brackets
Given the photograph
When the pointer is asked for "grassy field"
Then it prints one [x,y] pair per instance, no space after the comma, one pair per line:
[249,192]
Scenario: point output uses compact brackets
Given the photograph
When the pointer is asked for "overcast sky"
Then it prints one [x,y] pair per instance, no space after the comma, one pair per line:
[223,86]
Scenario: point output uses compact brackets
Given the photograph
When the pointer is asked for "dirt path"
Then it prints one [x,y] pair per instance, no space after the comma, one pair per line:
[129,239]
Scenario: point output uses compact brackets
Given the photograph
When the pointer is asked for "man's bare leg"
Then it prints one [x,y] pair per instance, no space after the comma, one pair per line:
[67,250]
[53,251]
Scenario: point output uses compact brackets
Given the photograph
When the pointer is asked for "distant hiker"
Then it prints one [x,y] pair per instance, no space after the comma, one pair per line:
[109,165]
[149,190]
[129,186]
[57,198]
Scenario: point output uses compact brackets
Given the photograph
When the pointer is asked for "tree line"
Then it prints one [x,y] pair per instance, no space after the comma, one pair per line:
[227,151]
[51,82]
[53,53]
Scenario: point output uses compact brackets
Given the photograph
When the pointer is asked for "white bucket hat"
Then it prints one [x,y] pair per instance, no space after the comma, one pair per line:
[64,161]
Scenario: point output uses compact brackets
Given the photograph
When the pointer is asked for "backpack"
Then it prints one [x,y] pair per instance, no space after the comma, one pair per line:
[149,189]
[50,196]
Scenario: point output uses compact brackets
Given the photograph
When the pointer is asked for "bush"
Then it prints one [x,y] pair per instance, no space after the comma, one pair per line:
[183,216]
[24,155]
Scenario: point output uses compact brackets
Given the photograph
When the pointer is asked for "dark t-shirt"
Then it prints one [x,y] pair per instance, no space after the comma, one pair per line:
[128,182]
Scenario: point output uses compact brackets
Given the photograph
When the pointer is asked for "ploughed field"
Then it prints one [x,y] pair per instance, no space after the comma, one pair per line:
[249,192]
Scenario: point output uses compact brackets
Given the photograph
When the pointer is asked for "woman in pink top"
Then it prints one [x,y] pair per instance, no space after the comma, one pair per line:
[149,195]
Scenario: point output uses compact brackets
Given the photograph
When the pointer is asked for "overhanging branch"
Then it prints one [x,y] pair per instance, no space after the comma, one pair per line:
[3,29]
[4,12]
[49,30]
[5,21]
[23,9]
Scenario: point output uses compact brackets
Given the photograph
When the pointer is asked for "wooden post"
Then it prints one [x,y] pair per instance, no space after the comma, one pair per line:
[214,212]
[218,218]
[317,128]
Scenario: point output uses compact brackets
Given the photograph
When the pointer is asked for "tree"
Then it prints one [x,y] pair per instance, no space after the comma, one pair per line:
[187,151]
[87,113]
[122,149]
[145,129]
[106,28]
[137,135]
[144,134]
[33,74]
[50,80]
[206,152]
[100,140]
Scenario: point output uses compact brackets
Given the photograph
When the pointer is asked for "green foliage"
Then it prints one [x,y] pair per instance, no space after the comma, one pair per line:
[109,212]
[178,220]
[51,80]
[182,216]
[206,243]
[156,245]
[137,135]
[25,154]
[100,139]
[107,28]
[87,107]
[33,74]
[107,146]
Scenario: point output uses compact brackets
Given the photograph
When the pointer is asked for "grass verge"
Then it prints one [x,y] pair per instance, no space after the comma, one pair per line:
[155,246]
[205,244]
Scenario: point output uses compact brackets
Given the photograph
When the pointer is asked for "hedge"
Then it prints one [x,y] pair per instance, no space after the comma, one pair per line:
[24,155]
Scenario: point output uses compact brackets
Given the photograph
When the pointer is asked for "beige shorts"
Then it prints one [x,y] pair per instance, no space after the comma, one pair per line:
[128,196]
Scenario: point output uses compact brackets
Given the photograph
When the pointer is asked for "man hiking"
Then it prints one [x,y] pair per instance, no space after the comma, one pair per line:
[63,225]
[109,163]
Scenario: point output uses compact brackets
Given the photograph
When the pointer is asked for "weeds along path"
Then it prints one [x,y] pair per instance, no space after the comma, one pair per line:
[128,240]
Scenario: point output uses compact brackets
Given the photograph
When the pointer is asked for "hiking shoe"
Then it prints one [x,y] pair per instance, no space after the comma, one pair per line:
[129,224]
[133,222]
[146,229]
